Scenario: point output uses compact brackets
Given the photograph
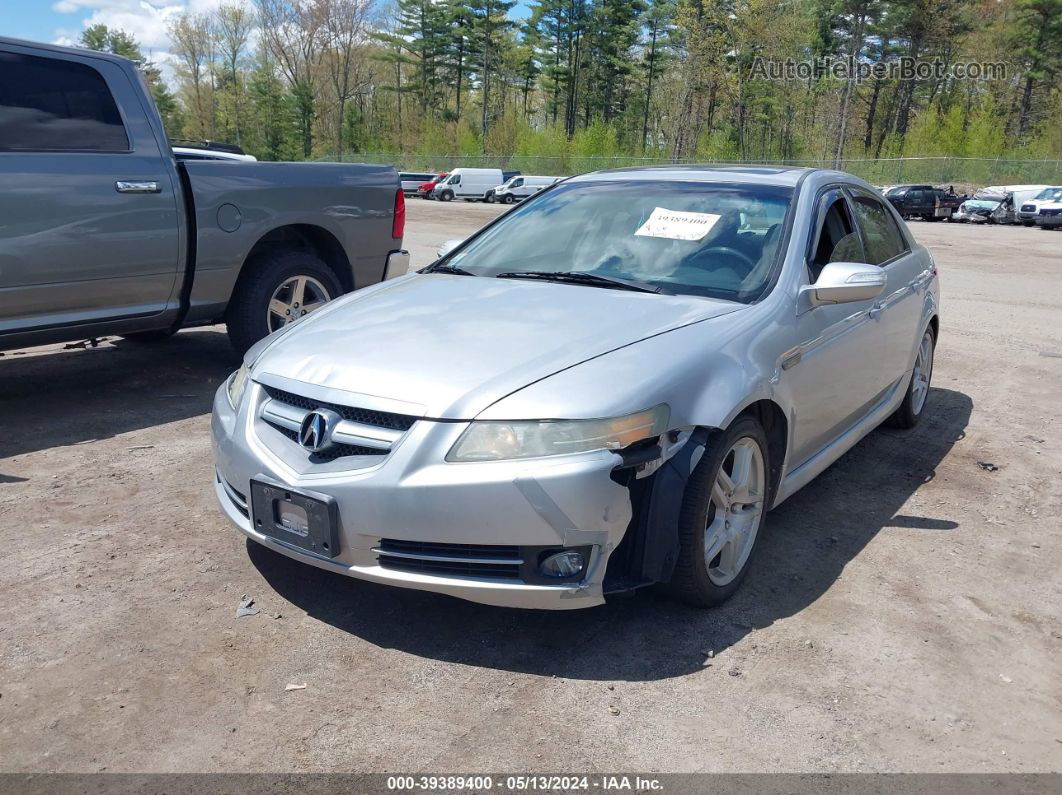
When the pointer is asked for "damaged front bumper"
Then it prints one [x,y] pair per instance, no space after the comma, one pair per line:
[476,531]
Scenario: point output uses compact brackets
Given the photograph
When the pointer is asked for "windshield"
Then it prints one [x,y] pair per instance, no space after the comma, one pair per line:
[717,240]
[1050,194]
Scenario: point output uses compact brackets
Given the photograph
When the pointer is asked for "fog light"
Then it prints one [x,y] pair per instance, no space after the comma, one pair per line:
[562,564]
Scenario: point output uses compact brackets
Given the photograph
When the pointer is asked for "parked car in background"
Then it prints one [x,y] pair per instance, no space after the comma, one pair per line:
[1050,215]
[1029,208]
[424,190]
[103,231]
[520,188]
[633,368]
[923,201]
[471,184]
[1013,196]
[412,180]
[209,150]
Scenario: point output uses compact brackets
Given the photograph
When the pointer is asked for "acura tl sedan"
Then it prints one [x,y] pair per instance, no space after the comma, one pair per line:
[605,388]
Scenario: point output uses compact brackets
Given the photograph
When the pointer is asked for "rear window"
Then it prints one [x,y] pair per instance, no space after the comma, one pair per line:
[50,104]
[718,240]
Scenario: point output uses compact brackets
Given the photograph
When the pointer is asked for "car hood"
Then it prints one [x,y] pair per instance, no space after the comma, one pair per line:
[453,345]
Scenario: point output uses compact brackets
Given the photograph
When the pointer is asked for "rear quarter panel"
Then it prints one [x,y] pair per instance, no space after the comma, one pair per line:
[353,202]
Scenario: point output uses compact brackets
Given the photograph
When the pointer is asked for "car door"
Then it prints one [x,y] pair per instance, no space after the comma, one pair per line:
[898,310]
[89,226]
[833,374]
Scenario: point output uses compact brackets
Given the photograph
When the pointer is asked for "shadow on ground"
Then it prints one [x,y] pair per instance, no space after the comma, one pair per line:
[807,543]
[66,397]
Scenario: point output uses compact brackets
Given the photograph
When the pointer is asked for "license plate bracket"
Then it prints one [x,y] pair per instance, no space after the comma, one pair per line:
[305,519]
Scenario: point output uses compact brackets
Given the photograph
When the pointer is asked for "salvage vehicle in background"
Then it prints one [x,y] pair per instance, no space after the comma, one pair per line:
[411,181]
[979,209]
[425,189]
[105,232]
[1050,216]
[1029,208]
[923,201]
[519,188]
[470,184]
[633,367]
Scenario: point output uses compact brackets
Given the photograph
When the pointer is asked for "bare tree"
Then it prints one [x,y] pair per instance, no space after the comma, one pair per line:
[292,31]
[192,36]
[344,30]
[234,26]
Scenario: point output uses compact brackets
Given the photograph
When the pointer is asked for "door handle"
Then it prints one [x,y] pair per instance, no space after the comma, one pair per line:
[875,310]
[137,186]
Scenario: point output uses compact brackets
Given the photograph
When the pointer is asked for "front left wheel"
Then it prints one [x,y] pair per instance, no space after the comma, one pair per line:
[723,509]
[277,288]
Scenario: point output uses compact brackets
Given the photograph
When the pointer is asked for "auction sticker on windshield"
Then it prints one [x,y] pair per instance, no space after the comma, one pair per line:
[677,225]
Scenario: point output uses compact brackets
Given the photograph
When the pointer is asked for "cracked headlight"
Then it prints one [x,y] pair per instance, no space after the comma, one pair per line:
[237,385]
[498,441]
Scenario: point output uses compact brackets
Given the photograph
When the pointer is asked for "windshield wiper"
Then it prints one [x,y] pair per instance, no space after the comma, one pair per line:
[592,279]
[448,269]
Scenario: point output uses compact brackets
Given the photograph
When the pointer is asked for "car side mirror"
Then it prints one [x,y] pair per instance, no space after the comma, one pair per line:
[845,283]
[449,246]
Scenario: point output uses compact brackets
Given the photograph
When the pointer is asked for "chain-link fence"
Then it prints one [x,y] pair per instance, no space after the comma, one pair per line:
[963,172]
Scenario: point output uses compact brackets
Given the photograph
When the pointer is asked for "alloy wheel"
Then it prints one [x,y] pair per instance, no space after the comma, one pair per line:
[295,297]
[923,371]
[734,511]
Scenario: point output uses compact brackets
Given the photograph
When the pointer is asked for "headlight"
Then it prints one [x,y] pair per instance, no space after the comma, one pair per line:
[236,386]
[498,441]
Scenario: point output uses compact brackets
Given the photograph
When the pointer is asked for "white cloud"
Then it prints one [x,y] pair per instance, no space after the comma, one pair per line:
[147,22]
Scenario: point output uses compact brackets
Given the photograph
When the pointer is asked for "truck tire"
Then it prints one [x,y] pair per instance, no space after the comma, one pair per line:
[276,275]
[446,195]
[509,198]
[704,582]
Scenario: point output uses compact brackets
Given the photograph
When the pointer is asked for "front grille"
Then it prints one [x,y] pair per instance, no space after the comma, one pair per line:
[1028,208]
[334,452]
[431,558]
[381,419]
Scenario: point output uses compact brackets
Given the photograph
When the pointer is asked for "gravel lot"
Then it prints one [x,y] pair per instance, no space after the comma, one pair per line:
[904,612]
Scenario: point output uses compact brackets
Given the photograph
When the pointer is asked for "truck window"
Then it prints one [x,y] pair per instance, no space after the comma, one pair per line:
[882,235]
[49,104]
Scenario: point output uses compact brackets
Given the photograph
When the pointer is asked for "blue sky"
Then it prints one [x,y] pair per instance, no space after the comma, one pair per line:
[63,20]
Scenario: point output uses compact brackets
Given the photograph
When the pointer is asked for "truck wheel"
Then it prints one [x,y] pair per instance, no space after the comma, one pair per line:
[491,198]
[1028,223]
[277,288]
[722,513]
[509,198]
[446,195]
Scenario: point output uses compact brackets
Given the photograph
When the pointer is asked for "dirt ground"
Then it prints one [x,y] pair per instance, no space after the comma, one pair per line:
[904,612]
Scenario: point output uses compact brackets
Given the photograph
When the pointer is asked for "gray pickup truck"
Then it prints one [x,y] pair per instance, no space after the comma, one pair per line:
[104,232]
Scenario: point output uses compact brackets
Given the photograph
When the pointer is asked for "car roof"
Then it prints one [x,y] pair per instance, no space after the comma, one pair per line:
[785,176]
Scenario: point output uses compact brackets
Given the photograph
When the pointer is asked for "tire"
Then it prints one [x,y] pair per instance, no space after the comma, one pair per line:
[446,195]
[509,198]
[696,580]
[914,402]
[1028,223]
[270,275]
[149,337]
[491,199]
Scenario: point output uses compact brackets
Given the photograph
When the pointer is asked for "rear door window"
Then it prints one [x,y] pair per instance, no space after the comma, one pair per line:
[881,235]
[48,104]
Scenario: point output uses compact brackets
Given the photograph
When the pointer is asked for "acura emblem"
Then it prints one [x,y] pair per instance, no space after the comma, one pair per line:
[315,433]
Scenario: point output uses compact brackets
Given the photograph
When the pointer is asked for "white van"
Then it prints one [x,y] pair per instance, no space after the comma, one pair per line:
[520,187]
[470,184]
[1030,208]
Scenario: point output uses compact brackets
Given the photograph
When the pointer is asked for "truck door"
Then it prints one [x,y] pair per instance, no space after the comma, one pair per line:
[89,225]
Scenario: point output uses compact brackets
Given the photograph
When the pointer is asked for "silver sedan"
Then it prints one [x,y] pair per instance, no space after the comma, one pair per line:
[605,388]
